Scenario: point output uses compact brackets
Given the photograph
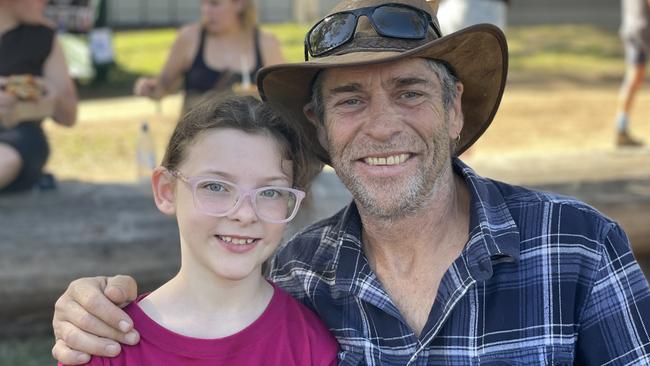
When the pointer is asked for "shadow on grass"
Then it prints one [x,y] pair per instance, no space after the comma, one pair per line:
[113,81]
[34,351]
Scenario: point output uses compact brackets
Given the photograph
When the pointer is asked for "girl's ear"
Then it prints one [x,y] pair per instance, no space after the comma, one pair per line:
[164,194]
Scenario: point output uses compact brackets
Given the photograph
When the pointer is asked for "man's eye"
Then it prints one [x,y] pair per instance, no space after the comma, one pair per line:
[411,95]
[349,102]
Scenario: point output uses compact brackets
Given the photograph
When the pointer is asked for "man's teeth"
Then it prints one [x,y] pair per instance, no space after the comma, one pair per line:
[231,240]
[391,160]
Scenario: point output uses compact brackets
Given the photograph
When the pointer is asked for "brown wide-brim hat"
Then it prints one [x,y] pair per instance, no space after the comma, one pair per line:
[478,56]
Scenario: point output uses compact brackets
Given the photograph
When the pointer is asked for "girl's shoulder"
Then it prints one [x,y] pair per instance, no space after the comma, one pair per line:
[307,331]
[301,319]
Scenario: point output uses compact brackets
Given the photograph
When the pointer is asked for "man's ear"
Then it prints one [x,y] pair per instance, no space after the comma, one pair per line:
[164,194]
[457,119]
[310,113]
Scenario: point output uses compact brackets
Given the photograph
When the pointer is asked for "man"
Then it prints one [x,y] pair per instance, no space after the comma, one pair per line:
[430,264]
[635,33]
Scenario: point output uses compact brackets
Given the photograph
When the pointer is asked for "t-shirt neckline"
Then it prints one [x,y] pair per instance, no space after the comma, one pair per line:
[163,338]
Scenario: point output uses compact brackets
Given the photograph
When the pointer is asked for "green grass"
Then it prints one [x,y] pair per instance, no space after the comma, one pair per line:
[553,50]
[557,52]
[536,53]
[575,52]
[145,51]
[32,352]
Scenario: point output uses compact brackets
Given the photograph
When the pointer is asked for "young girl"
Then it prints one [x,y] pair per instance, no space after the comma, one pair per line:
[231,176]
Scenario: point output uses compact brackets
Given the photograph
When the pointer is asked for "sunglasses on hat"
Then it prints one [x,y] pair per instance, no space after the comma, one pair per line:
[389,20]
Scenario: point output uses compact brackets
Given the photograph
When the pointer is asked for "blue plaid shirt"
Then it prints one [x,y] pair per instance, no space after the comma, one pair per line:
[542,280]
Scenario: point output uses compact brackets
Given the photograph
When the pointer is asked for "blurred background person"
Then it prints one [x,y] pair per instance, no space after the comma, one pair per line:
[34,84]
[224,50]
[456,14]
[635,33]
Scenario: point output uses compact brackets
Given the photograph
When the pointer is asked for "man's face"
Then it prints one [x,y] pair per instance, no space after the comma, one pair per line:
[389,134]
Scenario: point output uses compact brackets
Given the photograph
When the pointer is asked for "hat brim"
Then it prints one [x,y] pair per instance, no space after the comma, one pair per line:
[478,55]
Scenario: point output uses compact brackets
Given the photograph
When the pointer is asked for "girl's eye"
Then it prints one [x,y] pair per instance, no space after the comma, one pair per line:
[270,193]
[214,187]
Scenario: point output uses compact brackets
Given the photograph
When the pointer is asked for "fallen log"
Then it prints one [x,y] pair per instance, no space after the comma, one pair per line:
[47,239]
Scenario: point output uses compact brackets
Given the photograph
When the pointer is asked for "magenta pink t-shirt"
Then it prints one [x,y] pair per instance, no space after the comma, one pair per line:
[287,333]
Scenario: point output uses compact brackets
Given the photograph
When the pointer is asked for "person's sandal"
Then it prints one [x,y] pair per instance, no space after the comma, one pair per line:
[46,182]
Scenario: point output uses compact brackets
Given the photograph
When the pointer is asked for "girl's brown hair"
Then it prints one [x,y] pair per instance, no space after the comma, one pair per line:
[249,115]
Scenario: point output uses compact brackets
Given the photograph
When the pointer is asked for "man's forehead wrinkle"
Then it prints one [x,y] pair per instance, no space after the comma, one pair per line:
[410,80]
[397,81]
[345,88]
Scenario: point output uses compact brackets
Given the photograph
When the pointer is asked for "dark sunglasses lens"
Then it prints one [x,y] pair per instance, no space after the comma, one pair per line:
[332,32]
[400,22]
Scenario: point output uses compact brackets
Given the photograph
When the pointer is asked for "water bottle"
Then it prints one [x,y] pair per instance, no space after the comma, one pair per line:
[145,155]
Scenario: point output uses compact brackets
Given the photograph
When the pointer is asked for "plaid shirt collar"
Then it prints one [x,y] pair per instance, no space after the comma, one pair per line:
[493,239]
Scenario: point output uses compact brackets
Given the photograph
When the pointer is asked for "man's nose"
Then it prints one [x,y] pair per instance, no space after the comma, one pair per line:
[383,121]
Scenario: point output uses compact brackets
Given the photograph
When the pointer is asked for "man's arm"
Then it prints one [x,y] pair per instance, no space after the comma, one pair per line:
[88,319]
[614,326]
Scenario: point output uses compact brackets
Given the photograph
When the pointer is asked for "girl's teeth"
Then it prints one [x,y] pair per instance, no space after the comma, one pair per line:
[231,240]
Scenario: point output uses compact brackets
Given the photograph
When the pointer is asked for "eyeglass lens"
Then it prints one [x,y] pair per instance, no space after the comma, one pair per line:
[332,32]
[388,21]
[270,203]
[399,22]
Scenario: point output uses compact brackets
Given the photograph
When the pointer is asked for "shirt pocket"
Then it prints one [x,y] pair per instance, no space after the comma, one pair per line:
[546,356]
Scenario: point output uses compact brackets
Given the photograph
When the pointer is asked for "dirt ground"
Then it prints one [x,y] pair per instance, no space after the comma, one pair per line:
[559,122]
[565,118]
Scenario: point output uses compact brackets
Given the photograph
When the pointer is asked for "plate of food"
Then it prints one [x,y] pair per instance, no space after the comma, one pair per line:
[31,99]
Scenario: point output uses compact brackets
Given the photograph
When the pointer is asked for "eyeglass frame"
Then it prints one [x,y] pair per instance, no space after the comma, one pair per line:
[368,12]
[192,183]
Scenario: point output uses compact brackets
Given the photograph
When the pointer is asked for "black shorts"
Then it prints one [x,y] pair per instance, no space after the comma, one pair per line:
[29,140]
[635,52]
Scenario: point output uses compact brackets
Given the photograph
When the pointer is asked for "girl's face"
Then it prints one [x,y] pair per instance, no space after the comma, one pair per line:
[221,15]
[27,11]
[232,247]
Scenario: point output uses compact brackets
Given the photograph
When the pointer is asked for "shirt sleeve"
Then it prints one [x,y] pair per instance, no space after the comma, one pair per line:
[614,327]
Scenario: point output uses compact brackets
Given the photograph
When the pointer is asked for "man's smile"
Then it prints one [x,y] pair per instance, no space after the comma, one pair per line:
[396,159]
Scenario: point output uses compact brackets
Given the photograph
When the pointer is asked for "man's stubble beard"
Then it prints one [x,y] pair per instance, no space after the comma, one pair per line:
[390,199]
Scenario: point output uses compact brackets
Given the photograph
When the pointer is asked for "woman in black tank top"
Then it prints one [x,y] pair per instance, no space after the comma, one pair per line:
[221,53]
[34,84]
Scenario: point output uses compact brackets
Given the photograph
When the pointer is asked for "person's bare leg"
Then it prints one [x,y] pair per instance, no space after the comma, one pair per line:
[634,77]
[10,164]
